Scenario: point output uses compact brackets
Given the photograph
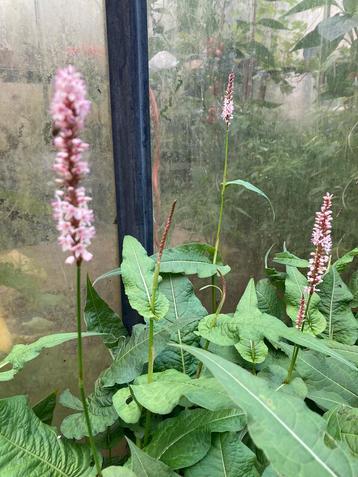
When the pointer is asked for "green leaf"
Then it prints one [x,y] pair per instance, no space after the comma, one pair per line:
[137,274]
[275,375]
[21,354]
[227,457]
[67,399]
[192,259]
[271,23]
[327,382]
[170,386]
[268,301]
[353,285]
[28,447]
[350,6]
[115,471]
[312,40]
[45,408]
[308,5]
[347,351]
[335,304]
[127,408]
[133,355]
[100,317]
[183,304]
[279,424]
[101,412]
[183,440]
[215,329]
[288,258]
[342,263]
[253,351]
[252,188]
[294,287]
[342,424]
[116,272]
[337,26]
[145,466]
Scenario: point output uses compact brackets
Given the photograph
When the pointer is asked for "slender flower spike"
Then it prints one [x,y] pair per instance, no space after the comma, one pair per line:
[228,106]
[322,240]
[69,109]
[301,313]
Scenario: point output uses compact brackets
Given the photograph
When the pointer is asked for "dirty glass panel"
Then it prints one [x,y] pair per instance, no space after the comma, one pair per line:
[294,133]
[36,287]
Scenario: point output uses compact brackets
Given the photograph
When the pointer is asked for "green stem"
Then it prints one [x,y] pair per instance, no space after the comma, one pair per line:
[296,347]
[81,373]
[217,240]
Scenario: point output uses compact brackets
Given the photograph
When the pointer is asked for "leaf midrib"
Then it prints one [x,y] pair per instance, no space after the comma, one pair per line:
[277,418]
[141,274]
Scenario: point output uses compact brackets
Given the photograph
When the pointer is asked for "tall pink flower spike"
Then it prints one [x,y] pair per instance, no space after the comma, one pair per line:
[228,106]
[69,109]
[321,238]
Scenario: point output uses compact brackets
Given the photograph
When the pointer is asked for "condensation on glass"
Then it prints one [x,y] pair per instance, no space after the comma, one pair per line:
[294,133]
[36,287]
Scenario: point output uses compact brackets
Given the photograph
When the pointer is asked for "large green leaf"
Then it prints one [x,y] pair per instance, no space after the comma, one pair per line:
[294,287]
[281,425]
[337,26]
[145,466]
[271,23]
[192,259]
[288,258]
[308,5]
[342,263]
[335,305]
[137,271]
[101,412]
[170,386]
[30,448]
[249,323]
[21,354]
[183,304]
[251,187]
[268,300]
[45,408]
[100,317]
[115,471]
[347,351]
[183,440]
[328,383]
[342,424]
[133,355]
[227,457]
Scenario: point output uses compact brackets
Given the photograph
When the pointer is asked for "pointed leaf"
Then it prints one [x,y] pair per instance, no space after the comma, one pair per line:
[45,408]
[251,350]
[342,263]
[115,471]
[126,406]
[116,272]
[227,457]
[280,424]
[137,271]
[29,447]
[271,23]
[100,317]
[145,466]
[308,5]
[183,440]
[268,300]
[347,351]
[335,305]
[252,188]
[21,354]
[342,424]
[288,258]
[337,26]
[133,355]
[192,259]
[183,304]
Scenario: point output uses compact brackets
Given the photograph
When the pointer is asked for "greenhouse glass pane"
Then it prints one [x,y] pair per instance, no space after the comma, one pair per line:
[36,287]
[294,133]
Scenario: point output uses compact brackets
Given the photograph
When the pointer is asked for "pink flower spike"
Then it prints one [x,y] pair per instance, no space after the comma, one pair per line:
[69,109]
[301,313]
[321,238]
[228,106]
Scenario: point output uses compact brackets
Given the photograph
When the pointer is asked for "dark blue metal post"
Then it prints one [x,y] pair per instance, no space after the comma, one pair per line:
[127,40]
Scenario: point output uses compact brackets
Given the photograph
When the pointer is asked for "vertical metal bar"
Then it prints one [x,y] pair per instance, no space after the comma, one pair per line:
[127,40]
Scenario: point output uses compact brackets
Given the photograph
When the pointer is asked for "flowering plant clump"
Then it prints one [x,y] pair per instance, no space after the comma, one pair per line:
[256,395]
[69,109]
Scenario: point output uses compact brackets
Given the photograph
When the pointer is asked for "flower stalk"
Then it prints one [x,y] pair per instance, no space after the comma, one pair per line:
[318,264]
[151,320]
[69,109]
